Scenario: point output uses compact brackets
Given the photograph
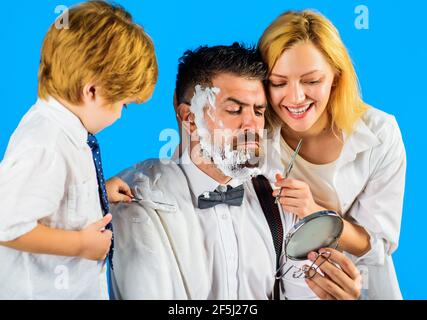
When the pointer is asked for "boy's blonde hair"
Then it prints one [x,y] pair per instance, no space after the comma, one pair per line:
[345,104]
[102,45]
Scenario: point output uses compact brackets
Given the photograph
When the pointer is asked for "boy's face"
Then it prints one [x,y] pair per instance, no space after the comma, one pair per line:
[98,114]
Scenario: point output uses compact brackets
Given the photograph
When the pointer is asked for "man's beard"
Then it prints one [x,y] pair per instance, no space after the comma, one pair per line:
[234,159]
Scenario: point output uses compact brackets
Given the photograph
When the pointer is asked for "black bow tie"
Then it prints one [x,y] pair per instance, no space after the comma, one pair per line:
[232,196]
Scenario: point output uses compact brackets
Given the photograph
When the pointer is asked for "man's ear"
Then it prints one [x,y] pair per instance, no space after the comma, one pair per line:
[186,117]
[175,101]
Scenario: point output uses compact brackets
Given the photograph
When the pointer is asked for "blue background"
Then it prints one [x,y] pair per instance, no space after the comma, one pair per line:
[389,58]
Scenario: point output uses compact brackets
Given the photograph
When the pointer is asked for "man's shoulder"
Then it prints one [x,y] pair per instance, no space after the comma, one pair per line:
[155,175]
[153,169]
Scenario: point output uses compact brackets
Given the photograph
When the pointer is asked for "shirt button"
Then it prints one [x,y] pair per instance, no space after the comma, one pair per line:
[222,188]
[224,216]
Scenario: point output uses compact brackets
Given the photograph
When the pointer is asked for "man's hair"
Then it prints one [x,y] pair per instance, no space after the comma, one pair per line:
[203,64]
[101,45]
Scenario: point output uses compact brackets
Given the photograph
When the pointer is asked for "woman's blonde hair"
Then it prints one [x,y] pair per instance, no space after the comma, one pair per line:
[102,45]
[345,104]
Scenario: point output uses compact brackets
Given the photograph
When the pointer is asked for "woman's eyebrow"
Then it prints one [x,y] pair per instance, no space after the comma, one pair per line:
[285,77]
[278,75]
[309,73]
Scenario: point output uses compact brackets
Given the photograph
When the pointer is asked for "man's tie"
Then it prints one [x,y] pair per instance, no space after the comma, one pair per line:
[232,197]
[96,154]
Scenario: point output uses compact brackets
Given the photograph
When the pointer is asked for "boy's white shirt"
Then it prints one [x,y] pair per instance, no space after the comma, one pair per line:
[47,176]
[182,252]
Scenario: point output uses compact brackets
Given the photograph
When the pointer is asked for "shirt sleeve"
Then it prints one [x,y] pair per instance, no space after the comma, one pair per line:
[32,185]
[379,207]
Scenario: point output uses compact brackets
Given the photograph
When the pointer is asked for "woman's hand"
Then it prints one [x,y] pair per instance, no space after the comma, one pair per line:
[339,278]
[118,190]
[296,197]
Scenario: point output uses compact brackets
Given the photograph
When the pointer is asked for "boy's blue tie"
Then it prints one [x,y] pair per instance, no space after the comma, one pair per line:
[96,153]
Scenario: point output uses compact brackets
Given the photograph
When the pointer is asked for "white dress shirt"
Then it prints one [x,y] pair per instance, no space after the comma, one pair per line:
[167,248]
[239,243]
[47,176]
[365,185]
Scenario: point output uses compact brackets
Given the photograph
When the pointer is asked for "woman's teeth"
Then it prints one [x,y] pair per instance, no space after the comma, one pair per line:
[298,111]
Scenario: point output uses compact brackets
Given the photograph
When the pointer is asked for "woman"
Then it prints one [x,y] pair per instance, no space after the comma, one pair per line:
[352,158]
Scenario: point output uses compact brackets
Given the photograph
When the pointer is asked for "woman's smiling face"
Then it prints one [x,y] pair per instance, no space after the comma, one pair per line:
[300,85]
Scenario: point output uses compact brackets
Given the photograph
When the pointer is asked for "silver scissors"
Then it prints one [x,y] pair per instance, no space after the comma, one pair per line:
[156,202]
[289,169]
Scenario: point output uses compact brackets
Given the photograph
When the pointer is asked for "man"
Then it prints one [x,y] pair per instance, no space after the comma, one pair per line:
[199,231]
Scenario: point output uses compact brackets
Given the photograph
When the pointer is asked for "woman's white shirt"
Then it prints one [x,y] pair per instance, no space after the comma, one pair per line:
[365,185]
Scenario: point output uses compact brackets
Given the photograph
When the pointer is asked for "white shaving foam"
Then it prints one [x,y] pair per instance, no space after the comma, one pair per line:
[227,160]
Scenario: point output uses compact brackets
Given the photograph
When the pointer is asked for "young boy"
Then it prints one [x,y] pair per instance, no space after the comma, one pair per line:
[53,236]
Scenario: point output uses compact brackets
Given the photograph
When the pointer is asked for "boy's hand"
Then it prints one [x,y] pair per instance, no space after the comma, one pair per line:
[95,240]
[118,191]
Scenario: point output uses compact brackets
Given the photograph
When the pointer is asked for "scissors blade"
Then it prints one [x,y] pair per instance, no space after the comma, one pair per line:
[156,202]
[291,163]
[290,166]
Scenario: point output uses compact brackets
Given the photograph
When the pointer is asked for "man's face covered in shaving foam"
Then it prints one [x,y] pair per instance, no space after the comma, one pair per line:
[230,120]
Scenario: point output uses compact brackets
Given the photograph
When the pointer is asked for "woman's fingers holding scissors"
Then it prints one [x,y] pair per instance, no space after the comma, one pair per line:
[288,193]
[291,184]
[288,182]
[295,196]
